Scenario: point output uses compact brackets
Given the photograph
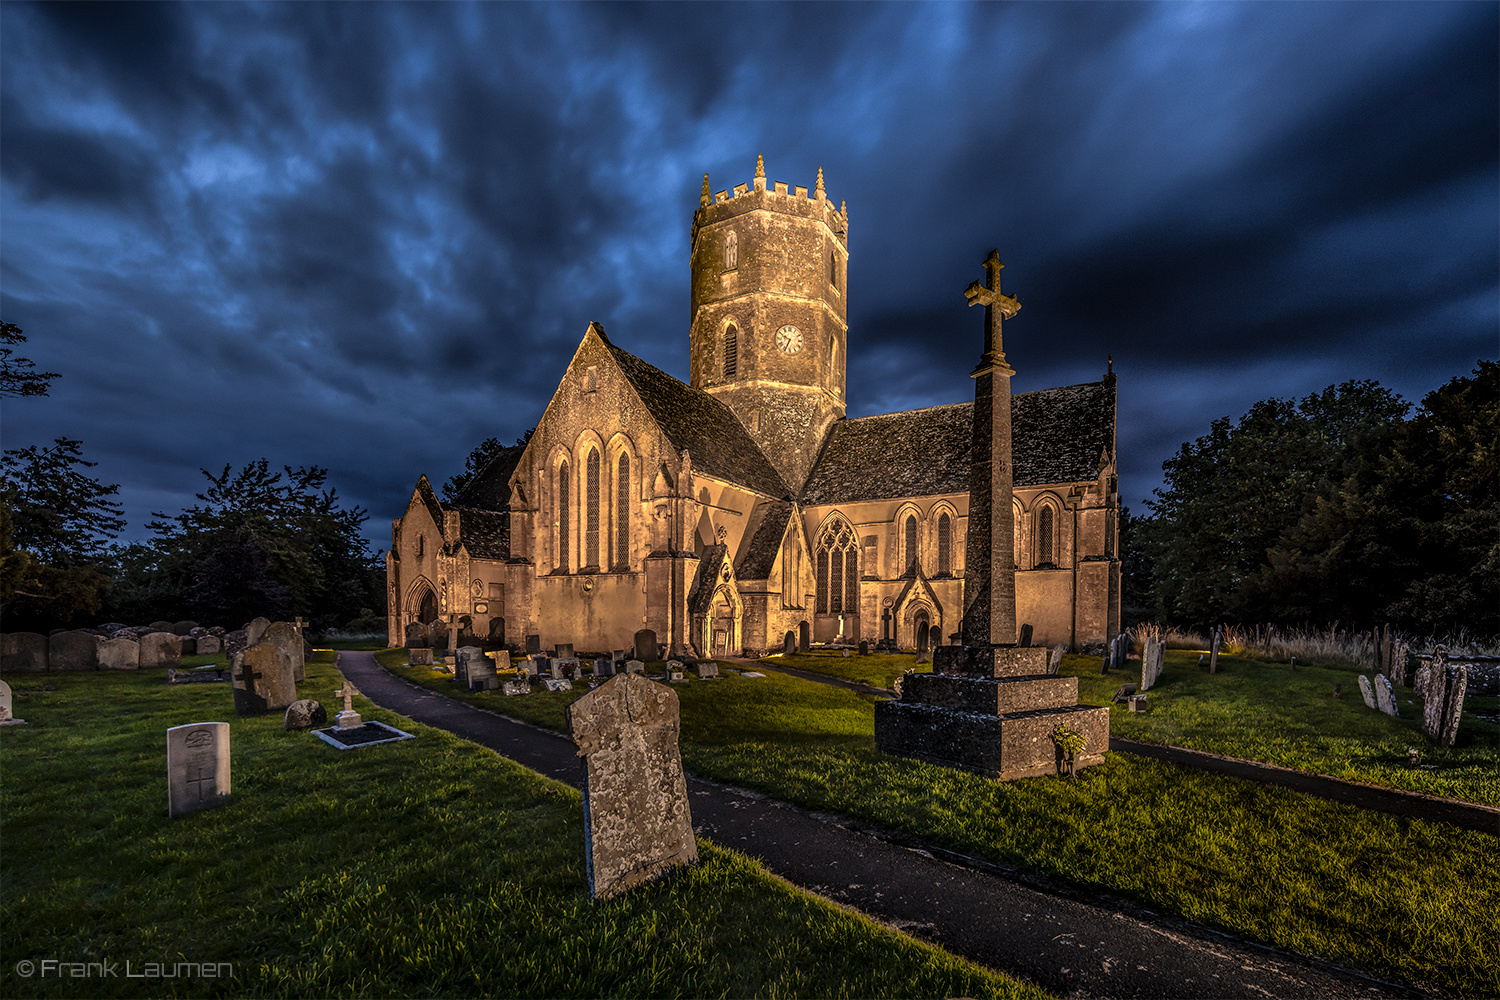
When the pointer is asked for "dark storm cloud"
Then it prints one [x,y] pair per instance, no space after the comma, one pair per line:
[370,236]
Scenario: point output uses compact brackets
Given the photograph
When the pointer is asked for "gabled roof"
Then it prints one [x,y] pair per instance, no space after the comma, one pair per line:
[706,580]
[692,419]
[759,555]
[485,533]
[489,488]
[1057,437]
[430,501]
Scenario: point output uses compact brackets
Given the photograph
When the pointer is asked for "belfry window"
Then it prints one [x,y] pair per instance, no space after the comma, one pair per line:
[838,569]
[591,524]
[622,513]
[731,350]
[731,252]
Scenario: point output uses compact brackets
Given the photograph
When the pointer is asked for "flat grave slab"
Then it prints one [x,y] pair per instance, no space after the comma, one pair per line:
[366,735]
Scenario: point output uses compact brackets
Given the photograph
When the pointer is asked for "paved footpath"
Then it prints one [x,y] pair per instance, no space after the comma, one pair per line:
[1068,941]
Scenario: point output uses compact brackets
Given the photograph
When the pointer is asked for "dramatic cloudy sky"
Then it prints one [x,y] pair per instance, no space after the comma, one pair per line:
[369,236]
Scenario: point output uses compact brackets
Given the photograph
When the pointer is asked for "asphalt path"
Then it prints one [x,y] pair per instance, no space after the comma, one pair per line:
[1069,941]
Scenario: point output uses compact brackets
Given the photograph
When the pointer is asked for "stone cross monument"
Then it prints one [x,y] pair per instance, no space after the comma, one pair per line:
[348,718]
[990,565]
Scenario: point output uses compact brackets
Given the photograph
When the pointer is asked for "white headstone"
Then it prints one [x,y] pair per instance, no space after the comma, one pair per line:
[1385,698]
[1367,691]
[197,767]
[5,704]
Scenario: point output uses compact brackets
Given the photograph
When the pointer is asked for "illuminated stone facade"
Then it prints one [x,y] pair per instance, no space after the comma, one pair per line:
[723,513]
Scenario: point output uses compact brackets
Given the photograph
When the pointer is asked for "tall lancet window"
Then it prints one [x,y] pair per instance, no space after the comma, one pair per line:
[731,351]
[622,514]
[911,543]
[945,545]
[591,527]
[731,252]
[833,269]
[1044,532]
[563,512]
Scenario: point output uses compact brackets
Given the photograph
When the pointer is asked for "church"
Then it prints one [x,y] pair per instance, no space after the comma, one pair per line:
[723,513]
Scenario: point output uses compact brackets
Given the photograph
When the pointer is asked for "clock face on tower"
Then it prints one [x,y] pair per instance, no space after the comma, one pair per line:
[789,340]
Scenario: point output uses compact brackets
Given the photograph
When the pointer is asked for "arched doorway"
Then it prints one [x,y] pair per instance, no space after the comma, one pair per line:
[427,611]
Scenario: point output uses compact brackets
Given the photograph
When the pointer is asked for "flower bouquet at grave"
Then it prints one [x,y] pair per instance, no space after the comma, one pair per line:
[1070,743]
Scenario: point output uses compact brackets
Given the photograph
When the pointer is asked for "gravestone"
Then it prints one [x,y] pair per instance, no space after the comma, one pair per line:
[924,638]
[1123,692]
[75,650]
[479,671]
[416,635]
[1138,703]
[1025,639]
[1366,691]
[847,654]
[533,645]
[119,654]
[1213,659]
[1453,708]
[23,653]
[183,628]
[464,659]
[706,668]
[565,651]
[197,767]
[635,667]
[7,713]
[789,644]
[645,645]
[674,671]
[255,630]
[804,637]
[419,656]
[637,823]
[234,643]
[1153,656]
[557,684]
[162,649]
[1056,660]
[284,634]
[604,667]
[187,645]
[1385,699]
[521,685]
[348,718]
[501,658]
[304,714]
[864,647]
[619,656]
[262,677]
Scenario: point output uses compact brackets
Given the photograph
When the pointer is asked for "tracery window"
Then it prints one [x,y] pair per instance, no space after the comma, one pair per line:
[838,569]
[622,513]
[945,545]
[591,523]
[731,252]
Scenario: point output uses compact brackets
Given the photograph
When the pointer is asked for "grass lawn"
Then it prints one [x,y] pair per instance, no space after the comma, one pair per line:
[1401,898]
[1267,711]
[878,669]
[427,867]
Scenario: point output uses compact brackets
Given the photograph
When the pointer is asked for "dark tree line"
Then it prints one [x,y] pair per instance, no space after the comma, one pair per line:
[1342,507]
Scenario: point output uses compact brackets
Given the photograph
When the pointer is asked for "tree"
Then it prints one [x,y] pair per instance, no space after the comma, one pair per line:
[55,524]
[482,455]
[18,376]
[268,543]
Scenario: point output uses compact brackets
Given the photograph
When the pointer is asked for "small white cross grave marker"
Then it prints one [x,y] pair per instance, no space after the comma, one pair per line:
[348,718]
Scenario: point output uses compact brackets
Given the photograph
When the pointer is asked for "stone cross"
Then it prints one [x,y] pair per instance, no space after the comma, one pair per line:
[989,616]
[347,692]
[298,623]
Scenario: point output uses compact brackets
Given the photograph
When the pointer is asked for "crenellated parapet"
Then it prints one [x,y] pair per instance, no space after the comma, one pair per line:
[778,196]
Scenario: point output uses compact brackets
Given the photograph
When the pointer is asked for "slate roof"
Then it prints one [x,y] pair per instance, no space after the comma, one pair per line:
[489,489]
[706,581]
[759,555]
[1057,437]
[692,419]
[485,533]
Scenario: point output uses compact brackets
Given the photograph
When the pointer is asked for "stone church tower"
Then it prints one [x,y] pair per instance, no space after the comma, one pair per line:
[770,314]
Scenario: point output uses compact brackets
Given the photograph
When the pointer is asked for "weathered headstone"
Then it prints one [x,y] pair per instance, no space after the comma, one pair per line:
[75,650]
[197,767]
[674,670]
[1055,661]
[924,638]
[1138,703]
[1213,659]
[419,656]
[533,645]
[416,635]
[262,678]
[304,714]
[864,647]
[619,656]
[1153,655]
[1385,699]
[464,658]
[1025,639]
[645,645]
[847,654]
[255,630]
[804,637]
[183,628]
[284,634]
[348,718]
[635,667]
[1453,708]
[7,712]
[1367,692]
[119,654]
[162,649]
[604,667]
[23,653]
[789,644]
[706,668]
[1122,692]
[637,823]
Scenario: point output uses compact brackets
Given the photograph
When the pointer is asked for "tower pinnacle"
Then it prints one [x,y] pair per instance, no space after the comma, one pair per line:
[820,183]
[705,198]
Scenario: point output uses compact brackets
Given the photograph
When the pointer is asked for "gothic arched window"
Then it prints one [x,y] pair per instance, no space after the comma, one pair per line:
[833,269]
[731,350]
[911,543]
[838,569]
[731,252]
[1044,535]
[591,523]
[622,513]
[945,545]
[562,516]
